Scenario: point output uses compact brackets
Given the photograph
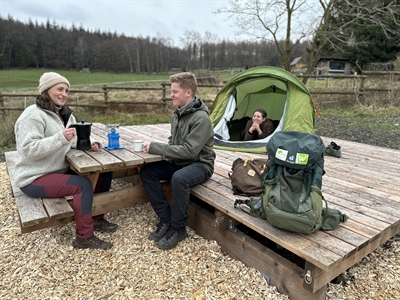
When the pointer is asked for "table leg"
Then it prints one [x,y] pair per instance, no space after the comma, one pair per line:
[93,177]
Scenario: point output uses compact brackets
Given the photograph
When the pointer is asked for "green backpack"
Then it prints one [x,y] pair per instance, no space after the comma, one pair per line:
[292,197]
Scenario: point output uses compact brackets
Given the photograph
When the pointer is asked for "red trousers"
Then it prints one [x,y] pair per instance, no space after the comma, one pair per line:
[61,185]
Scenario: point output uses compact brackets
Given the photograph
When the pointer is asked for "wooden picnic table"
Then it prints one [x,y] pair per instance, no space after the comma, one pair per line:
[120,161]
[363,183]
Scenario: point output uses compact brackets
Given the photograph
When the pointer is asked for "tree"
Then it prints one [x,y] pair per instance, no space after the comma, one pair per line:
[80,50]
[271,21]
[289,22]
[367,42]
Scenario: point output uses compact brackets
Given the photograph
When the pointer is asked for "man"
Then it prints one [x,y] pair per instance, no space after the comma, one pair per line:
[191,161]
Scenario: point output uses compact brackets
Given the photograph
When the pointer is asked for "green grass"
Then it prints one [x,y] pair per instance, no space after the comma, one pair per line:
[29,79]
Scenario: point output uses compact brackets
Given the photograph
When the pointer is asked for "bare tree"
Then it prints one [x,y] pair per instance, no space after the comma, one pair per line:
[190,42]
[80,49]
[271,21]
[127,50]
[289,22]
[136,44]
[209,42]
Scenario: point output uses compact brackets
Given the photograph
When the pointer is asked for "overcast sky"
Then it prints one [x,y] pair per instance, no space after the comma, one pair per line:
[165,18]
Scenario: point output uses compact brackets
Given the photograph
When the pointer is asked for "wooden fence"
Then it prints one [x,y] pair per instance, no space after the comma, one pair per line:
[105,92]
[359,92]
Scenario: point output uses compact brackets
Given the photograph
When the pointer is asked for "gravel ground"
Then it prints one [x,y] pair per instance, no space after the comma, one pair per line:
[43,265]
[343,127]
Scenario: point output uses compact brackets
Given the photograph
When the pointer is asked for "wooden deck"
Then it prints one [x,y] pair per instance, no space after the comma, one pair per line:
[364,184]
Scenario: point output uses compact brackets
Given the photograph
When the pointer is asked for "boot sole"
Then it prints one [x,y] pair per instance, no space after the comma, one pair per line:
[77,246]
[106,231]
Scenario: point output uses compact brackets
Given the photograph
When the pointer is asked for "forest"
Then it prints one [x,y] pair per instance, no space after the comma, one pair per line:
[53,46]
[50,45]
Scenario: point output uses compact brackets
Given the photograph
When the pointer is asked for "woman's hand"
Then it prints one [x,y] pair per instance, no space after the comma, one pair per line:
[69,133]
[255,126]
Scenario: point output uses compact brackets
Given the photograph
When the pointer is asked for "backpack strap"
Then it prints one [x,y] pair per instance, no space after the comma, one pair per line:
[255,205]
[331,218]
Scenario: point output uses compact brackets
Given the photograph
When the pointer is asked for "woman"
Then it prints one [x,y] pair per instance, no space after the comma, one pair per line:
[43,139]
[258,127]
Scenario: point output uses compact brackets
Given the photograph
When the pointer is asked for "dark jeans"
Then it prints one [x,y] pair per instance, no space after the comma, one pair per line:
[182,179]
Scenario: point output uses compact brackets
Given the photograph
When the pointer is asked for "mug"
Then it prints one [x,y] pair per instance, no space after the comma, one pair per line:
[137,145]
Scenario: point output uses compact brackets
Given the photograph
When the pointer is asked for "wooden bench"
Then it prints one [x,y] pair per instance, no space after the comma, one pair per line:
[35,211]
[35,214]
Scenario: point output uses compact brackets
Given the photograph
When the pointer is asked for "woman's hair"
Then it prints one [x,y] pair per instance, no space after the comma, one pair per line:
[262,112]
[186,80]
[45,102]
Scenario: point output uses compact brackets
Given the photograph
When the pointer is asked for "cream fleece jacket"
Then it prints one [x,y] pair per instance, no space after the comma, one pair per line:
[40,144]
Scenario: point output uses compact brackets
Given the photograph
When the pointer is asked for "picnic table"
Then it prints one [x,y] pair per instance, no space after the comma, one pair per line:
[363,184]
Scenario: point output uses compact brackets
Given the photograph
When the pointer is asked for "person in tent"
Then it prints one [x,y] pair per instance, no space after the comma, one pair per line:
[258,127]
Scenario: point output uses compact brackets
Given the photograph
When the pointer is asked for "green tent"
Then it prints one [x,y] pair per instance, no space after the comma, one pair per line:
[281,94]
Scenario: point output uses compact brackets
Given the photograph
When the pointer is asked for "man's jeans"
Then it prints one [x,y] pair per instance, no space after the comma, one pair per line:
[182,179]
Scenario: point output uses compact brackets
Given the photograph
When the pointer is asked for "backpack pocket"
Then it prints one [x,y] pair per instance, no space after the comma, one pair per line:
[301,223]
[289,206]
[332,218]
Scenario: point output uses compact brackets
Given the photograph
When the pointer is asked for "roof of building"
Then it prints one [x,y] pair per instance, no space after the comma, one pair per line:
[295,61]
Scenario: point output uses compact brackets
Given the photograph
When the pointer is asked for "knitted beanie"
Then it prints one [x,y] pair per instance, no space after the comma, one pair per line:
[51,79]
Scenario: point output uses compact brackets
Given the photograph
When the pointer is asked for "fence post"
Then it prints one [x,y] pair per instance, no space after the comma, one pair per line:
[105,95]
[2,112]
[361,90]
[164,96]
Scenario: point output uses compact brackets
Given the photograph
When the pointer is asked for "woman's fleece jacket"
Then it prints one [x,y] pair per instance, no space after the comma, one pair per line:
[41,144]
[192,137]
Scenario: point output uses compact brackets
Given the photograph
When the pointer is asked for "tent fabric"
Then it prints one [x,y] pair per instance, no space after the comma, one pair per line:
[281,94]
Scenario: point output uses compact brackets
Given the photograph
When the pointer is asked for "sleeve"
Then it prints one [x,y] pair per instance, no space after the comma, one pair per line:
[267,128]
[31,140]
[191,145]
[247,135]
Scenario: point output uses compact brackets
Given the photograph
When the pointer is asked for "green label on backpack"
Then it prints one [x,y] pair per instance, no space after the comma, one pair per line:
[281,154]
[302,158]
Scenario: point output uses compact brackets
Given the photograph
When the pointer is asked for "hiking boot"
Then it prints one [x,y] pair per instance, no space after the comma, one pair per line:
[172,238]
[91,243]
[160,232]
[334,150]
[102,225]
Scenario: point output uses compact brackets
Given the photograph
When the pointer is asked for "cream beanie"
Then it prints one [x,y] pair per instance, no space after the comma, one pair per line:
[51,79]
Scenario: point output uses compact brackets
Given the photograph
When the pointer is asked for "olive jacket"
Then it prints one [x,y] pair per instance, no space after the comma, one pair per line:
[192,137]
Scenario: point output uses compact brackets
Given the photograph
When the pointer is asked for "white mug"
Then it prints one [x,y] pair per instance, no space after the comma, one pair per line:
[137,145]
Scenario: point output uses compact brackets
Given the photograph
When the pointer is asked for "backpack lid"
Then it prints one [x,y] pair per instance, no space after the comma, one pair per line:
[294,149]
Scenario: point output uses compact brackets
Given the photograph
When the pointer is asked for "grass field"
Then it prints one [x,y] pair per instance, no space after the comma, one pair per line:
[370,114]
[28,79]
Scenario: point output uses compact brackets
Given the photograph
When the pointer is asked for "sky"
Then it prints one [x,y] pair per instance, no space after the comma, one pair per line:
[154,18]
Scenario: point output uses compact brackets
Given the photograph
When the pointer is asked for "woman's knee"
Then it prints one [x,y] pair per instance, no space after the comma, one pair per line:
[83,182]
